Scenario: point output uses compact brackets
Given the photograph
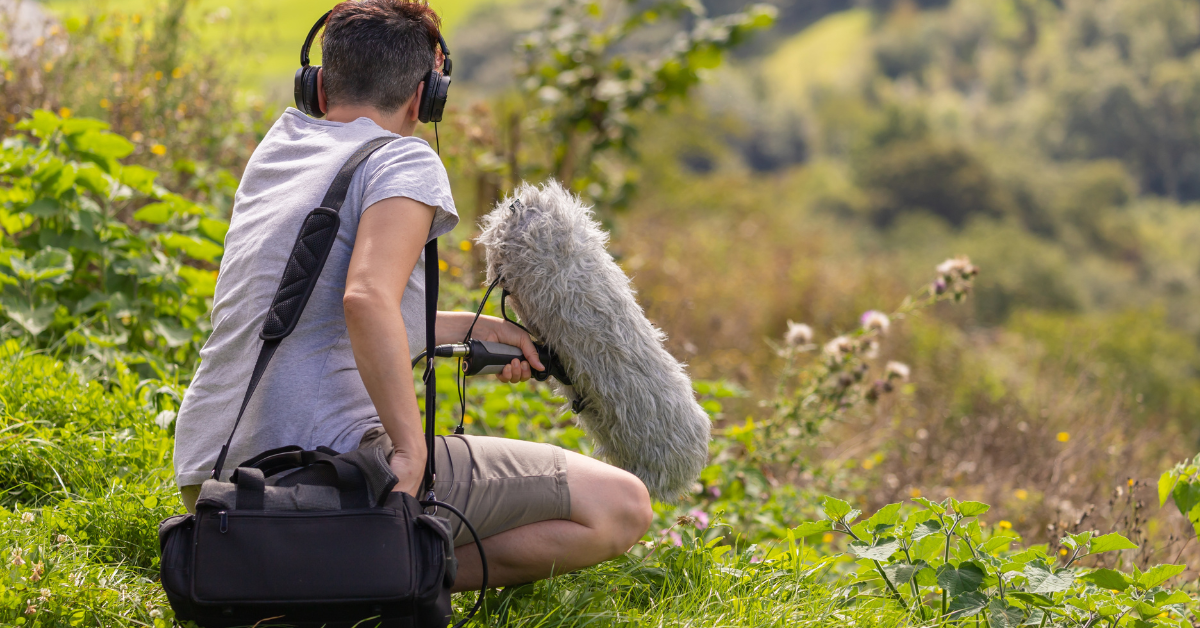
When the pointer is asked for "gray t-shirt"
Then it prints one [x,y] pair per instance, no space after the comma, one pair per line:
[311,394]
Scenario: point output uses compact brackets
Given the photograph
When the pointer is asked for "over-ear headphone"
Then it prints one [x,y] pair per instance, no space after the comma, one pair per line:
[433,99]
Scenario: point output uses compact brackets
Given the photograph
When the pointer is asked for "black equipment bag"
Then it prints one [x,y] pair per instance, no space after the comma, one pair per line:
[313,537]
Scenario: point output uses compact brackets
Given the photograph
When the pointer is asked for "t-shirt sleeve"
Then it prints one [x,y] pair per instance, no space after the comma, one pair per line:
[408,167]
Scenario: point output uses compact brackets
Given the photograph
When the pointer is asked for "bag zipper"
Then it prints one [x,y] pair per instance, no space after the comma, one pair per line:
[224,514]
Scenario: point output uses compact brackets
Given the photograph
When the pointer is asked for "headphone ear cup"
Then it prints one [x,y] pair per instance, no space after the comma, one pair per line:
[425,110]
[433,100]
[306,96]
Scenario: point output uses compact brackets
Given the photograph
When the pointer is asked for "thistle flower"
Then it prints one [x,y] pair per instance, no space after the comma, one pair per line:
[839,346]
[798,334]
[870,349]
[686,520]
[874,320]
[960,265]
[939,286]
[896,370]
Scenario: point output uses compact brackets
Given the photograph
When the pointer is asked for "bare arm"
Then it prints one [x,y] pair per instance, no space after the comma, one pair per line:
[390,238]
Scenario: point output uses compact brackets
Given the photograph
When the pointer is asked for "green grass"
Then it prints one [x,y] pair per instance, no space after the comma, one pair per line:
[85,477]
[261,37]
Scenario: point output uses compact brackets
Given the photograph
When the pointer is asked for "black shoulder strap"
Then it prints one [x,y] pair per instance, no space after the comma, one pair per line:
[300,275]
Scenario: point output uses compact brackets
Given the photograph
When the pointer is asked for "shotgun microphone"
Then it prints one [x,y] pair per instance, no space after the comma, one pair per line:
[548,254]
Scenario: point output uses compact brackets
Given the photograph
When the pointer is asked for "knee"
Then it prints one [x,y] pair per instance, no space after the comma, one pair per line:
[631,515]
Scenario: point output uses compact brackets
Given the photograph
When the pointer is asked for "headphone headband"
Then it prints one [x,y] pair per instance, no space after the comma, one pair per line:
[312,34]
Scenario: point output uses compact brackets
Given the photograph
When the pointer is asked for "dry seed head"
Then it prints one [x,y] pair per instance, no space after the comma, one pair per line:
[897,370]
[839,346]
[798,334]
[873,320]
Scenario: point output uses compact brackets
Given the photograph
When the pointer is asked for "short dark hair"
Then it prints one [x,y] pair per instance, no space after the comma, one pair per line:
[376,52]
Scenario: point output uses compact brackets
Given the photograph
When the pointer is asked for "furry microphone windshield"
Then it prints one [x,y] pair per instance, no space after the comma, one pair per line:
[631,396]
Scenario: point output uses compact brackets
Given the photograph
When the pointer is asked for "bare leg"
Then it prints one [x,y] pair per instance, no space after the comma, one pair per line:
[610,511]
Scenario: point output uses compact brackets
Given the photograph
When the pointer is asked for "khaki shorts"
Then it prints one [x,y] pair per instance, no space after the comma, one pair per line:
[498,483]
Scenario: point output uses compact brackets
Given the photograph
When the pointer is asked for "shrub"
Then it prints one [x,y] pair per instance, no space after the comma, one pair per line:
[97,260]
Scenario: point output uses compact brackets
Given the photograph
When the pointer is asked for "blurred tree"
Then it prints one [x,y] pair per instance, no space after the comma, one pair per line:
[584,84]
[905,168]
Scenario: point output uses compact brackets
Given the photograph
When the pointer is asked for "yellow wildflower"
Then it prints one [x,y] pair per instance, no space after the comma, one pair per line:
[1004,524]
[465,245]
[827,537]
[158,149]
[1063,437]
[1021,494]
[65,112]
[915,493]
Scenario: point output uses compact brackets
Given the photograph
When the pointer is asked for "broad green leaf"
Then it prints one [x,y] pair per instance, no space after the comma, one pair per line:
[967,604]
[102,144]
[76,126]
[34,320]
[154,213]
[1110,542]
[809,528]
[1187,496]
[171,332]
[1003,615]
[1166,598]
[1032,599]
[1146,611]
[93,178]
[150,502]
[1107,579]
[965,579]
[880,550]
[996,543]
[1166,483]
[885,517]
[900,573]
[43,208]
[1075,541]
[972,509]
[196,248]
[1042,580]
[928,548]
[138,178]
[15,223]
[43,123]
[216,230]
[926,576]
[50,265]
[835,508]
[1158,575]
[934,506]
[925,529]
[201,283]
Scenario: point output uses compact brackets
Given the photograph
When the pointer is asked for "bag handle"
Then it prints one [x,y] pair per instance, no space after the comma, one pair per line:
[315,240]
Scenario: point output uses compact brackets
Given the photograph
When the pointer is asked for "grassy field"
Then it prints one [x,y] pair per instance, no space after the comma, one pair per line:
[262,37]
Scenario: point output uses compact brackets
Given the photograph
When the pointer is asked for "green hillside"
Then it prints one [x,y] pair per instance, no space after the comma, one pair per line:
[262,36]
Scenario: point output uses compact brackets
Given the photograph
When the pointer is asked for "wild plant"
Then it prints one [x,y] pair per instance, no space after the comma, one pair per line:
[97,260]
[941,564]
[820,383]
